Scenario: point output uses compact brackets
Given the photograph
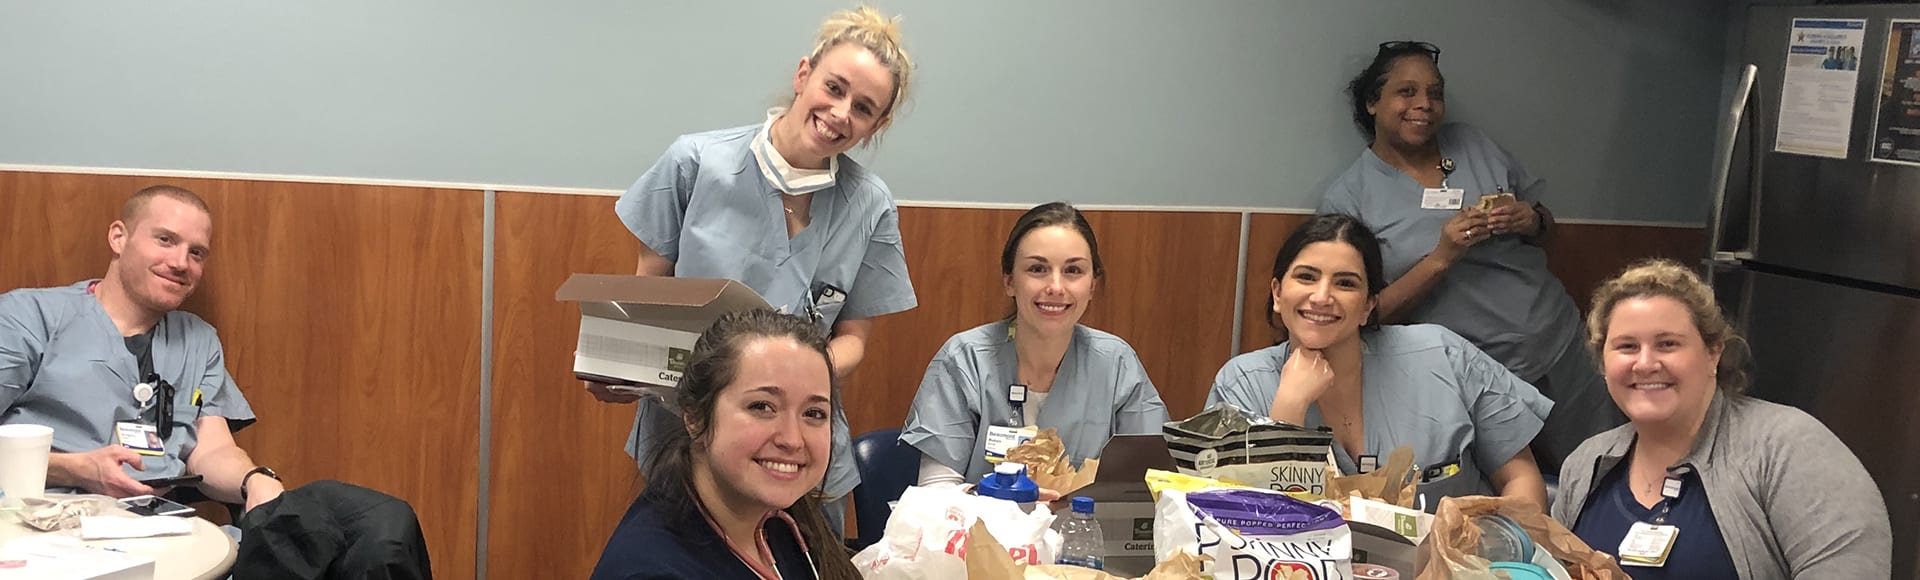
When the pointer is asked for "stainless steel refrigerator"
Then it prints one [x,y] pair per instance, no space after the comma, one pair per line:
[1816,257]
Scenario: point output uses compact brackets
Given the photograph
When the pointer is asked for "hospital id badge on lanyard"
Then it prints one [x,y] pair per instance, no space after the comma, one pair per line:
[1001,439]
[1649,544]
[138,435]
[1442,198]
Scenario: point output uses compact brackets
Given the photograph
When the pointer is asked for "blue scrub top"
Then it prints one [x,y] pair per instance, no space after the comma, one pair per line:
[648,544]
[705,205]
[1699,552]
[1099,391]
[1423,386]
[65,365]
[1500,294]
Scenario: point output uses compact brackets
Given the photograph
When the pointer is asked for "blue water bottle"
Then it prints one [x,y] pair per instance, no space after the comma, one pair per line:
[1009,482]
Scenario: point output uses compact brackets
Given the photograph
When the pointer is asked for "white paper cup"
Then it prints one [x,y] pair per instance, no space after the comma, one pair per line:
[23,462]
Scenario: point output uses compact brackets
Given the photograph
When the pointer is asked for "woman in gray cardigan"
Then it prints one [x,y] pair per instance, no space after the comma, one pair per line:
[1704,482]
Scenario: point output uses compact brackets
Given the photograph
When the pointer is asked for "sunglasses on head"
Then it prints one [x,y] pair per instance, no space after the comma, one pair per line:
[1414,45]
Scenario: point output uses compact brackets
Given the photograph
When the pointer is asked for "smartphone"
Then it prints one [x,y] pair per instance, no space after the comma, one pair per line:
[160,482]
[147,505]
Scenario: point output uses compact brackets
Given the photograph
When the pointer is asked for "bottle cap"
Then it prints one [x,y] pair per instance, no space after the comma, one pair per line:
[1082,505]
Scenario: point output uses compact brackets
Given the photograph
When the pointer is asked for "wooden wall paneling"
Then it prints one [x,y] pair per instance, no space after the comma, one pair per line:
[1265,233]
[55,226]
[560,475]
[953,256]
[356,330]
[1584,255]
[1169,293]
[349,316]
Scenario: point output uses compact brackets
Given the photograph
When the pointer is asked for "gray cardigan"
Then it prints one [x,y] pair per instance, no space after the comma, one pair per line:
[1790,499]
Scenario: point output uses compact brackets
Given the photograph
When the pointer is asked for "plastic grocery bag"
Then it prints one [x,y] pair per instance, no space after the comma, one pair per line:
[927,535]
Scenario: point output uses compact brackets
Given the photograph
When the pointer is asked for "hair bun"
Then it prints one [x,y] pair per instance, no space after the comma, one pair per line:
[868,28]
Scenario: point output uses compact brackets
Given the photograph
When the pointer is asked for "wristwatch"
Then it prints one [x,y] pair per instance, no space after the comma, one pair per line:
[262,470]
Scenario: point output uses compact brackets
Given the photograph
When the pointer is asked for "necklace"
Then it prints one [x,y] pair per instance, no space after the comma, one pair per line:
[806,198]
[1346,415]
[1653,487]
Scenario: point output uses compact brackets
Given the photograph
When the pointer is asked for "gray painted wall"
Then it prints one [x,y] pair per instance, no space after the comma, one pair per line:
[1206,102]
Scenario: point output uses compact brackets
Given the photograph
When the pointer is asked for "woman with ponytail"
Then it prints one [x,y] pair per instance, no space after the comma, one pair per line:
[778,206]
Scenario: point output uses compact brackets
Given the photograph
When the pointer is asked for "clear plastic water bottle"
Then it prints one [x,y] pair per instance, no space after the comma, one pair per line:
[1082,543]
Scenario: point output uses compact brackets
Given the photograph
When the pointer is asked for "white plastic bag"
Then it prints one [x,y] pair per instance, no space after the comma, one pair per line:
[1266,534]
[927,535]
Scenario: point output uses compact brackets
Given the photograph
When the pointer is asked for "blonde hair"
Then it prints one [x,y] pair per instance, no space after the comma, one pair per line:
[867,28]
[1663,277]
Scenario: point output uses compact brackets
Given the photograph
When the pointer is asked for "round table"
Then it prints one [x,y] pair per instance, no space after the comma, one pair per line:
[206,553]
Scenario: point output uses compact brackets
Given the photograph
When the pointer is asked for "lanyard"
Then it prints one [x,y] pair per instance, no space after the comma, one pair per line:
[1017,398]
[151,387]
[1669,493]
[143,358]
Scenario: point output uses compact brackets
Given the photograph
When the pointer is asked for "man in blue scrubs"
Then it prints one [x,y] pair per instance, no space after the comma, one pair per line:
[112,366]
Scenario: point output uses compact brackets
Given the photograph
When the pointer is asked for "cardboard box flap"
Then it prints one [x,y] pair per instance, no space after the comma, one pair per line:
[685,304]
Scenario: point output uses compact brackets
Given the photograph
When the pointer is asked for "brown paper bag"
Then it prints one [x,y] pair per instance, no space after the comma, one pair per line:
[1048,465]
[1394,483]
[1448,553]
[988,560]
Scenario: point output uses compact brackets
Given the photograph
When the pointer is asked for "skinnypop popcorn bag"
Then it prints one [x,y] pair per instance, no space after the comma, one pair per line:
[1253,534]
[1229,444]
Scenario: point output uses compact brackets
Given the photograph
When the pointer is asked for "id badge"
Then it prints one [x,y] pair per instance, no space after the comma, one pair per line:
[1442,198]
[140,437]
[1647,545]
[1000,439]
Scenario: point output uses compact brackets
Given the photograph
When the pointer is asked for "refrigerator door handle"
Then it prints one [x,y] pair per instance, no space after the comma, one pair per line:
[1755,167]
[1744,99]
